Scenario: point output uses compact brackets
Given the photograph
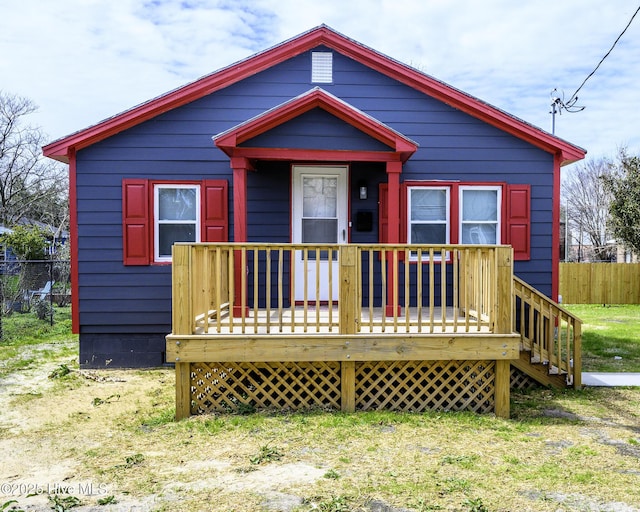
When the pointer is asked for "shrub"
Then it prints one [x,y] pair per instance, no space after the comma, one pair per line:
[43,309]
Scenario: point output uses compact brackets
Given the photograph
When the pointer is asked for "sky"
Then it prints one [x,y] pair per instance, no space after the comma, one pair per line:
[82,61]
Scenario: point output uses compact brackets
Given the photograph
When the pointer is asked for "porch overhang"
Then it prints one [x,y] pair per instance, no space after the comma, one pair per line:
[401,148]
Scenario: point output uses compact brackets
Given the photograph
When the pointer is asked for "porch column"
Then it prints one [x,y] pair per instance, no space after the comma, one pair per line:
[393,230]
[240,166]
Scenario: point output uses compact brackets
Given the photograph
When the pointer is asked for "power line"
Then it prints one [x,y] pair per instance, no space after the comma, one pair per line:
[558,104]
[574,95]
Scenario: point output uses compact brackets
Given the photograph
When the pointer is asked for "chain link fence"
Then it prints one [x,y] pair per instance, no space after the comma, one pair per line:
[34,286]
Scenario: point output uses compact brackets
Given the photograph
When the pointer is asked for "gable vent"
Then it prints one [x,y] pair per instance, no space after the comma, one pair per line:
[322,67]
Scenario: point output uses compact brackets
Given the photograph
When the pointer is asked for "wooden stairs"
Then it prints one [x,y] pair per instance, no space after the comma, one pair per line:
[550,339]
[540,371]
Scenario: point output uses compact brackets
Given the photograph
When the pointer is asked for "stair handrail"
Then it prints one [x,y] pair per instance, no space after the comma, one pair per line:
[552,333]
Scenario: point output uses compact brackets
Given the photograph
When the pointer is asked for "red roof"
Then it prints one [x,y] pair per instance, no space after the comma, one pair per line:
[322,35]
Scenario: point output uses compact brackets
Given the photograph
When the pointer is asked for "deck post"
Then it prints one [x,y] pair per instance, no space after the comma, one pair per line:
[503,324]
[349,299]
[576,370]
[348,386]
[183,390]
[182,315]
[502,387]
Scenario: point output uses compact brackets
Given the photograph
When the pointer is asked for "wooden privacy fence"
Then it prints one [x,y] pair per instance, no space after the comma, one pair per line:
[600,283]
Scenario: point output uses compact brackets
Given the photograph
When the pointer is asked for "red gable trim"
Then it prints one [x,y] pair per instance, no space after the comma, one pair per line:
[321,35]
[316,98]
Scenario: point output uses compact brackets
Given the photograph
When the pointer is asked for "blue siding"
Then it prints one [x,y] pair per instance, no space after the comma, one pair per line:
[117,301]
[317,129]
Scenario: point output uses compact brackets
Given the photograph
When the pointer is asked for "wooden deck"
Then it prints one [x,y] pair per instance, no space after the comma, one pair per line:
[408,328]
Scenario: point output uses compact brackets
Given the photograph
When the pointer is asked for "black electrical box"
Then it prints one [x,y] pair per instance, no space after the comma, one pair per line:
[364,221]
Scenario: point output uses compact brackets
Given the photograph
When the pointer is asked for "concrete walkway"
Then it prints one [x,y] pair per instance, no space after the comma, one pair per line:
[610,379]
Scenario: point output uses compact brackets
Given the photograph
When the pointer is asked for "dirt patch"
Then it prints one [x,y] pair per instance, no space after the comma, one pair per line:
[50,426]
[110,435]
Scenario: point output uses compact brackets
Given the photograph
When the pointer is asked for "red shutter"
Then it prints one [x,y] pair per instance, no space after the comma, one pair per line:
[519,220]
[135,222]
[215,211]
[383,215]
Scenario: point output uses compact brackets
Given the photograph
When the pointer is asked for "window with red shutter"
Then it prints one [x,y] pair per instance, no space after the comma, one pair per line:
[482,218]
[155,215]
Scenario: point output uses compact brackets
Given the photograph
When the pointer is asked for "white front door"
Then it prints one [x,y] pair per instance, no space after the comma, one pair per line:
[319,216]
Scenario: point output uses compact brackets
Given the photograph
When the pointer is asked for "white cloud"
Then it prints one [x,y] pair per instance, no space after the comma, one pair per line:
[84,60]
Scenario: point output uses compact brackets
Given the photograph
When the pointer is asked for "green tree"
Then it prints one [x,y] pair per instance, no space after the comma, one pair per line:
[624,186]
[26,242]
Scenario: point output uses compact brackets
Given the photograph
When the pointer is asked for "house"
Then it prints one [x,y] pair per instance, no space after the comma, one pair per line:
[322,140]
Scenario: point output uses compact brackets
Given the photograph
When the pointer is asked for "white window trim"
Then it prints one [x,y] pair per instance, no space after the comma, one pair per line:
[498,222]
[157,222]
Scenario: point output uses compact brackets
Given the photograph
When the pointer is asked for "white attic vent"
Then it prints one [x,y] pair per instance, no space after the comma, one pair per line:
[322,67]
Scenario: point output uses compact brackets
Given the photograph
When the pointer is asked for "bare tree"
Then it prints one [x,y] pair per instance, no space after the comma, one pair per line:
[30,185]
[587,201]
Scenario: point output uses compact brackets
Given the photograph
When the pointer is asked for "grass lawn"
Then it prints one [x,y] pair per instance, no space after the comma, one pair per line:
[27,340]
[610,337]
[108,440]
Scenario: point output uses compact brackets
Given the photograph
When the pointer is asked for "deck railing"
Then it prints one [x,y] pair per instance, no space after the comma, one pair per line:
[552,334]
[259,288]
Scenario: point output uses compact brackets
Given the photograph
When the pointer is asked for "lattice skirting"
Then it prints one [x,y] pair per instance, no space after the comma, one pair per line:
[425,385]
[391,385]
[521,381]
[218,387]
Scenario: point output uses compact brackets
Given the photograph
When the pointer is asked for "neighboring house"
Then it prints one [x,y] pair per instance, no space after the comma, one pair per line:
[625,255]
[6,252]
[400,156]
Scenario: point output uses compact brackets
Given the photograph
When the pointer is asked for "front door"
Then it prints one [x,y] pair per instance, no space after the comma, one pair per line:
[319,216]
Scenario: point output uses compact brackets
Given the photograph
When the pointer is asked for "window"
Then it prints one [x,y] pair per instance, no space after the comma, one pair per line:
[480,209]
[430,213]
[155,215]
[176,217]
[321,67]
[435,213]
[428,210]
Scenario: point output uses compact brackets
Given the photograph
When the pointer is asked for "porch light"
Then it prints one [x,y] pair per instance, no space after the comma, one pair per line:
[362,187]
